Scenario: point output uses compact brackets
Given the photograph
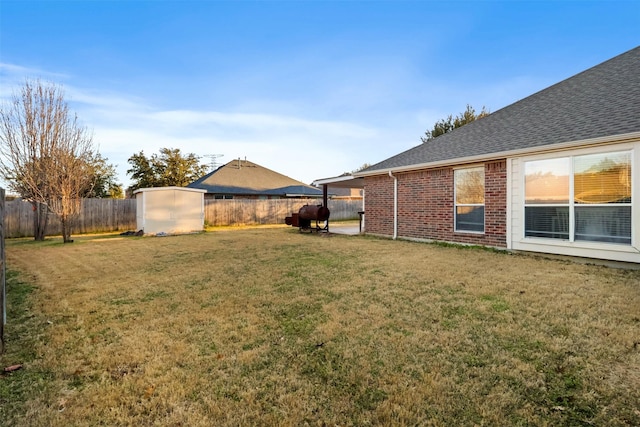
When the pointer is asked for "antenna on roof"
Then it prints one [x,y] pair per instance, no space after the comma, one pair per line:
[213,163]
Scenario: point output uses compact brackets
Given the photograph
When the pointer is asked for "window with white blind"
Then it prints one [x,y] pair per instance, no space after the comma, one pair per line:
[579,198]
[469,199]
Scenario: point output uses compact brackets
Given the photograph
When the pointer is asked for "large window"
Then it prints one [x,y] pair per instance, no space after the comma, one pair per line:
[469,199]
[546,211]
[579,198]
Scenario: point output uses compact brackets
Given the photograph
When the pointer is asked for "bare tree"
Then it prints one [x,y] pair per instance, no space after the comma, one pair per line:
[45,153]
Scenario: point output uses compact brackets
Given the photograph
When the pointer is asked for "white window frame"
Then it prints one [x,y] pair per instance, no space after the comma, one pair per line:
[572,205]
[567,205]
[456,204]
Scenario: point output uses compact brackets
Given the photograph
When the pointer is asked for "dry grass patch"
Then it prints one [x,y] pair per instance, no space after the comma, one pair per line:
[271,327]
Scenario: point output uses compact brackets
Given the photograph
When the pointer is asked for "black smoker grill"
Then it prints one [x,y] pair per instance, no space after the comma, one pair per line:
[308,213]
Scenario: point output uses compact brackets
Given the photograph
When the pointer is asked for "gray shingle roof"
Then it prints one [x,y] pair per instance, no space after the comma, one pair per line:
[242,177]
[599,102]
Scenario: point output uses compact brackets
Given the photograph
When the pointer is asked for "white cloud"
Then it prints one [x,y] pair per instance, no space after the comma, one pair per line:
[287,135]
[297,144]
[13,76]
[301,148]
[19,72]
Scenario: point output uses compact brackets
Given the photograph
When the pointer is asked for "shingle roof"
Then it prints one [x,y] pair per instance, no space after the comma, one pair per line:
[242,177]
[601,101]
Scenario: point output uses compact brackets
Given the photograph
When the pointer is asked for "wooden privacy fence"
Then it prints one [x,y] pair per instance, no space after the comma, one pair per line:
[251,211]
[97,215]
[104,215]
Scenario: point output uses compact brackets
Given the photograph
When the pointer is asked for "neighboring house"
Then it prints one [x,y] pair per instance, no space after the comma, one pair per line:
[247,180]
[557,172]
[339,193]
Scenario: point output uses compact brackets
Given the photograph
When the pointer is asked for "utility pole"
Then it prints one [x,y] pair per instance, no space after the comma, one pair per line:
[213,163]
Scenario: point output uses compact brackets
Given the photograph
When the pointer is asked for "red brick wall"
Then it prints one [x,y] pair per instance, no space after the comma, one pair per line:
[495,203]
[378,204]
[425,206]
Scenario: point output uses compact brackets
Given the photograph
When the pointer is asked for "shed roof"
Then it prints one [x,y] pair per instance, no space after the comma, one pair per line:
[600,102]
[242,177]
[142,190]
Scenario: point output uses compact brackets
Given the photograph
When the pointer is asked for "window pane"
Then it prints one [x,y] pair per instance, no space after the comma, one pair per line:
[470,218]
[604,224]
[547,181]
[469,186]
[549,222]
[603,178]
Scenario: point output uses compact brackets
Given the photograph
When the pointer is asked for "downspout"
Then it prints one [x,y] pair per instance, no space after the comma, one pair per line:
[395,205]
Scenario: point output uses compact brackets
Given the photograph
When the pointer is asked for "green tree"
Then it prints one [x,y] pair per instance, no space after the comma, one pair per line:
[170,168]
[102,182]
[450,123]
[45,154]
[142,172]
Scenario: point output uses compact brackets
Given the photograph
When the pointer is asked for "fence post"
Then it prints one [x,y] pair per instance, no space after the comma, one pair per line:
[3,289]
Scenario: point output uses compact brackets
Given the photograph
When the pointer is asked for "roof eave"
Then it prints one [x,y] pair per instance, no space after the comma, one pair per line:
[172,187]
[344,181]
[622,138]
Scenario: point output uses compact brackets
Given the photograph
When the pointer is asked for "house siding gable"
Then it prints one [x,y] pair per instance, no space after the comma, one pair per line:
[516,199]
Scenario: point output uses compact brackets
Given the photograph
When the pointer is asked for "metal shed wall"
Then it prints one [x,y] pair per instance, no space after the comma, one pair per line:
[170,210]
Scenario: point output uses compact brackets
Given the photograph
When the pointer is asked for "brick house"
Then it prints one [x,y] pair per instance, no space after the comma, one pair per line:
[556,172]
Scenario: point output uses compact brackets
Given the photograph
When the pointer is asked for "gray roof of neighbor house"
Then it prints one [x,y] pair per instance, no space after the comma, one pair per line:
[242,177]
[599,102]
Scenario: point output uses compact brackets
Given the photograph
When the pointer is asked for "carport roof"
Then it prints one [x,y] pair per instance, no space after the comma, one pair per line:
[343,181]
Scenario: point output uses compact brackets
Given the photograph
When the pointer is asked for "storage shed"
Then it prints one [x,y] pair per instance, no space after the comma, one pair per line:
[170,210]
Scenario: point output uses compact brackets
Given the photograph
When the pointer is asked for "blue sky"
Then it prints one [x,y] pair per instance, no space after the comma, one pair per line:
[310,89]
